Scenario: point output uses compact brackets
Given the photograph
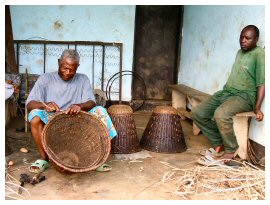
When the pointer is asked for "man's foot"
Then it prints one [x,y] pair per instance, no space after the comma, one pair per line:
[228,159]
[209,161]
[104,168]
[211,152]
[227,156]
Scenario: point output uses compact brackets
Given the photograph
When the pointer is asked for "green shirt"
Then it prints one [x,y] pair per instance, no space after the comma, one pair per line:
[248,73]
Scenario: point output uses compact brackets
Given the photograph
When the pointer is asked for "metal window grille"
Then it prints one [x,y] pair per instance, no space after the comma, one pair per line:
[99,60]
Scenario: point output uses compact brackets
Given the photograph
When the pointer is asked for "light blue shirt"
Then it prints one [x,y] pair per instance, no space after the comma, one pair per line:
[50,87]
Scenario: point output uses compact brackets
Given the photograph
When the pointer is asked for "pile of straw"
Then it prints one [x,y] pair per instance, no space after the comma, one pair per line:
[12,186]
[219,182]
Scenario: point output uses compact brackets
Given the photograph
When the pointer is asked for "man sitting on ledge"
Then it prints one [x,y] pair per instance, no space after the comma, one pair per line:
[243,92]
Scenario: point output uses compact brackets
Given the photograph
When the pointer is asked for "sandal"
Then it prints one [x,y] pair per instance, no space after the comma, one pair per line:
[211,152]
[233,163]
[209,161]
[39,166]
[104,168]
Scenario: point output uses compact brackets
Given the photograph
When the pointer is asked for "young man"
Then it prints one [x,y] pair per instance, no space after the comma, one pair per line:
[243,92]
[65,90]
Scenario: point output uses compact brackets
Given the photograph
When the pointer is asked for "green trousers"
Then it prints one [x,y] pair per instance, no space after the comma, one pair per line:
[215,117]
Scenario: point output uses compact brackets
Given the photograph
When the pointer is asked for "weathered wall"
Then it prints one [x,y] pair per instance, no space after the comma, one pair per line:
[210,43]
[76,23]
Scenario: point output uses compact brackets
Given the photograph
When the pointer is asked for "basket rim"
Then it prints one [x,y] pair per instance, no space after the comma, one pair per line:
[105,141]
[120,109]
[165,109]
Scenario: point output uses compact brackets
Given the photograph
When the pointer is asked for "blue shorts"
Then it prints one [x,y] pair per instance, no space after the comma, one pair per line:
[98,111]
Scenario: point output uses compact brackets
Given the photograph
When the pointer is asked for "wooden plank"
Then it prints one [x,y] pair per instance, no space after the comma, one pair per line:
[178,100]
[183,112]
[241,126]
[246,114]
[187,90]
[201,96]
[196,129]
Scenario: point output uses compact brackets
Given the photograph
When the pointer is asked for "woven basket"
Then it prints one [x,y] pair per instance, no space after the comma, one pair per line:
[78,143]
[126,141]
[163,132]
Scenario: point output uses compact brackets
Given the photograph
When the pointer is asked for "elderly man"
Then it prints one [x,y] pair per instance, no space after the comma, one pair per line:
[244,91]
[61,90]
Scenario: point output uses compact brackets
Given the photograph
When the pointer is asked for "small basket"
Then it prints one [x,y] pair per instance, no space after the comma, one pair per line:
[126,141]
[163,132]
[78,143]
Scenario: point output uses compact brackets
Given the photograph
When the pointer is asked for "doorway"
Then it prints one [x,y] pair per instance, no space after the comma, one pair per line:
[157,50]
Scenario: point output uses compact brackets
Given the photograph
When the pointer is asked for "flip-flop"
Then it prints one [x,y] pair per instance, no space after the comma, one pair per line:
[233,163]
[211,152]
[39,166]
[104,168]
[209,161]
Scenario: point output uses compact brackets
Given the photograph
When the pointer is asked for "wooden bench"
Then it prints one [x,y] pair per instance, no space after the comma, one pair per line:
[183,96]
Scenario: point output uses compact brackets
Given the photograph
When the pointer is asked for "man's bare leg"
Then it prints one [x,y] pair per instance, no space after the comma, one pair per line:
[37,127]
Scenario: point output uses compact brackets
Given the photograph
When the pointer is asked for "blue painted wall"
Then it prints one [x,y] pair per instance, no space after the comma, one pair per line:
[210,43]
[75,23]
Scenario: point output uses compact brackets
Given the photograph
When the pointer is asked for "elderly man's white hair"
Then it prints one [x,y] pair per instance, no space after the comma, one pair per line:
[71,54]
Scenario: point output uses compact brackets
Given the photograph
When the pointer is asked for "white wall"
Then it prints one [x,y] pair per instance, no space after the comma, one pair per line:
[76,23]
[209,46]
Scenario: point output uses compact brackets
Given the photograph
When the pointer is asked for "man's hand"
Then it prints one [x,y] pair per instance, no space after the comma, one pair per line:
[73,109]
[51,107]
[259,114]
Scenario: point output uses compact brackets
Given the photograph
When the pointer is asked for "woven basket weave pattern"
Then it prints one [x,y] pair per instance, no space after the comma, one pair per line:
[76,143]
[163,133]
[126,141]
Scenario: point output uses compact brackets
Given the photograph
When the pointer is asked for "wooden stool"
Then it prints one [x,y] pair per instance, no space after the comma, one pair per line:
[163,132]
[126,141]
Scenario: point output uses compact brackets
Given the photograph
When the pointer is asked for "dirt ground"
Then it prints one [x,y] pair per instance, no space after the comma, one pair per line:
[133,177]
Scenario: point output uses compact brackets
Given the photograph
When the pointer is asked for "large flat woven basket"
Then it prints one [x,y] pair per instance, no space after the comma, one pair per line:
[78,143]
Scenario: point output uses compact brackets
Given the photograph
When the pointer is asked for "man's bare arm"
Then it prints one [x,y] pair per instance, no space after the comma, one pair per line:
[49,106]
[260,98]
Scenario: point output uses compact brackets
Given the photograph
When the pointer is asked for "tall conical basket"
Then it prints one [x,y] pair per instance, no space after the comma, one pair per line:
[78,143]
[126,141]
[164,132]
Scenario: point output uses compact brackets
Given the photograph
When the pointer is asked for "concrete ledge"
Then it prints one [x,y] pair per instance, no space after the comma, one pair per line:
[246,114]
